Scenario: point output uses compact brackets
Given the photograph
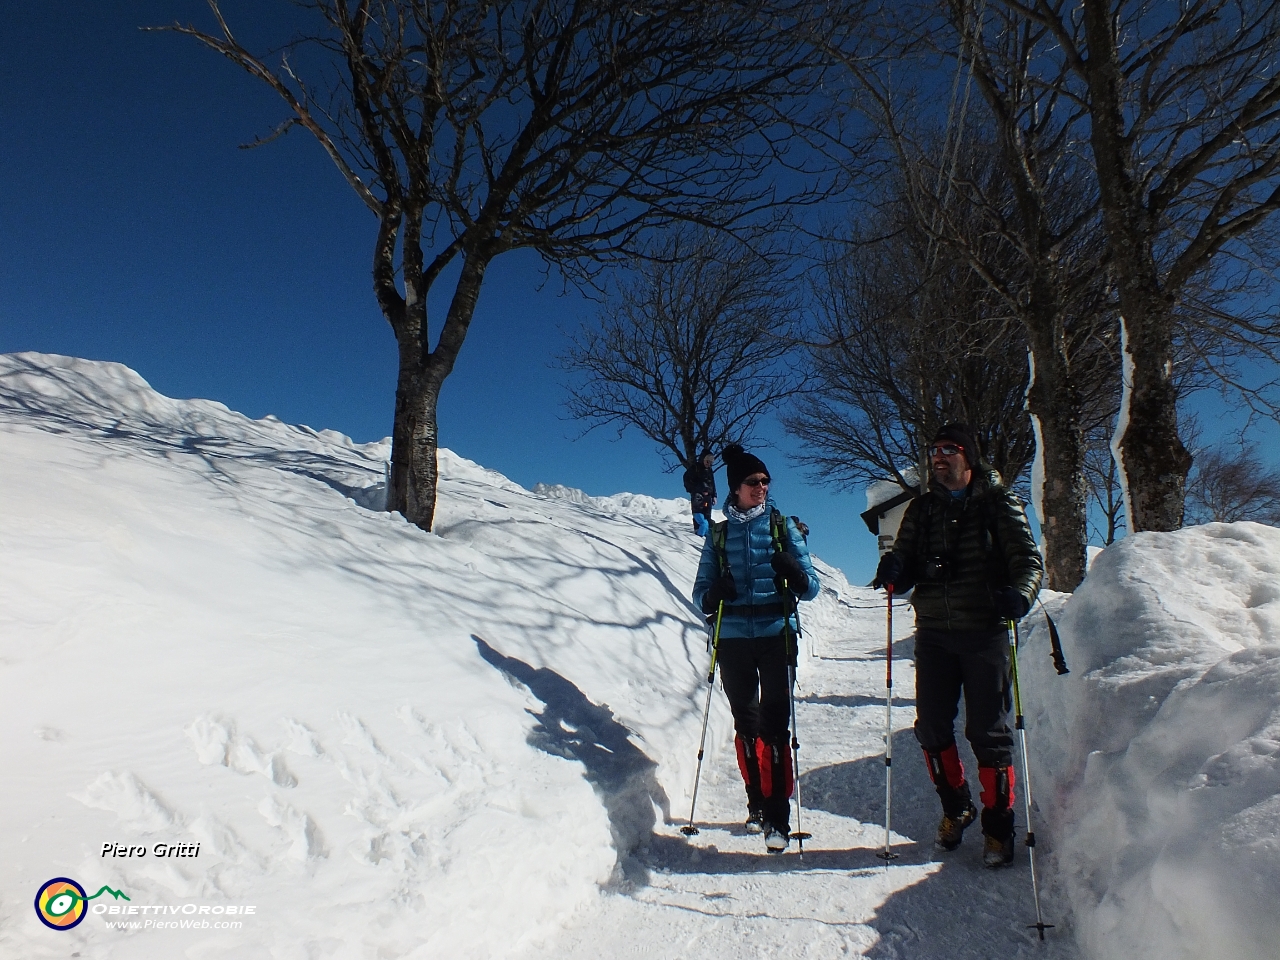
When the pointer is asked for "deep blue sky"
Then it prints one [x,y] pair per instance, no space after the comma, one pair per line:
[135,230]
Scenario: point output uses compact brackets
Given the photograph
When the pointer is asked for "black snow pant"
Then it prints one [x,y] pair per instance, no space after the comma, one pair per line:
[756,678]
[977,665]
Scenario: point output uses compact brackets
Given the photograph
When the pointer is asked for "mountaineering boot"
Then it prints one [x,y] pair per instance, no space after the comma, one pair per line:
[997,852]
[997,815]
[755,821]
[775,840]
[951,829]
[947,773]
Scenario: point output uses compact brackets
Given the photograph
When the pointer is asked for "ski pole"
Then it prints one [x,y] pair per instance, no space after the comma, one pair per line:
[793,651]
[887,853]
[1039,925]
[689,829]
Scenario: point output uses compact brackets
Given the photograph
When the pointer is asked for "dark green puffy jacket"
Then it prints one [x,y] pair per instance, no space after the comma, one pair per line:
[956,550]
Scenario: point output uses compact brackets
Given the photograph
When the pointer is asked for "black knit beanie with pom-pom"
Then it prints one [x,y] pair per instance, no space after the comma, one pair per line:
[739,465]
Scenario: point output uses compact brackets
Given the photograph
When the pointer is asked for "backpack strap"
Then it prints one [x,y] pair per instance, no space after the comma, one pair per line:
[719,531]
[777,529]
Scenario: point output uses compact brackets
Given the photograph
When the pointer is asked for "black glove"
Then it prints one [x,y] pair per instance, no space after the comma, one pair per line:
[1009,603]
[889,571]
[722,589]
[788,568]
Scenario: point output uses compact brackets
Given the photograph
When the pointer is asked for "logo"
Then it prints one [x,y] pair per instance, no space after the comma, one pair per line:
[60,902]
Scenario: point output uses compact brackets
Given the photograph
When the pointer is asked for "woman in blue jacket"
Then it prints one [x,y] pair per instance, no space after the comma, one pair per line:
[757,565]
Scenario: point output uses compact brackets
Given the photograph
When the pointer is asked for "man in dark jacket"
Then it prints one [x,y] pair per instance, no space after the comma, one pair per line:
[966,548]
[700,484]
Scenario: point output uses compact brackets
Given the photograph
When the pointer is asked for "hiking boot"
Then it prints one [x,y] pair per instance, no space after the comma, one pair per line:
[755,822]
[951,829]
[775,840]
[997,852]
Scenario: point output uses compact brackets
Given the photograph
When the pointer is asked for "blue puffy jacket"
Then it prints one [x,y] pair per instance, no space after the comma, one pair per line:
[748,548]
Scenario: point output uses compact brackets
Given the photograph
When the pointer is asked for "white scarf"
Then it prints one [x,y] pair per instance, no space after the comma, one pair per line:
[744,517]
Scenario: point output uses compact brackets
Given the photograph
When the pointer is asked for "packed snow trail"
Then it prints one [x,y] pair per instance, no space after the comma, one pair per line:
[720,894]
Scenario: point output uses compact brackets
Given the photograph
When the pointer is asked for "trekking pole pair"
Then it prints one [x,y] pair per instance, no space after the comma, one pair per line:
[689,829]
[1014,641]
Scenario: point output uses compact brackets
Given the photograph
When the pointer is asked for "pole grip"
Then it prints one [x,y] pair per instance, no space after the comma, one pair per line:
[715,644]
[888,656]
[1013,666]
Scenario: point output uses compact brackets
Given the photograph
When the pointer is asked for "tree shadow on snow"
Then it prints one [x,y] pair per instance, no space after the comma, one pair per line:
[622,775]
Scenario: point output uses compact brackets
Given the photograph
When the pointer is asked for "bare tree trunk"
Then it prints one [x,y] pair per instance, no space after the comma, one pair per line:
[415,437]
[1153,461]
[414,442]
[1054,400]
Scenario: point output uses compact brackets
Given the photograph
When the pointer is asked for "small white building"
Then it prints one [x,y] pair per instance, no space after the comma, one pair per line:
[886,503]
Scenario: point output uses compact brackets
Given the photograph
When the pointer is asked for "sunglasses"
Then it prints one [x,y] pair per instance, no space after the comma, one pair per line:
[756,481]
[945,449]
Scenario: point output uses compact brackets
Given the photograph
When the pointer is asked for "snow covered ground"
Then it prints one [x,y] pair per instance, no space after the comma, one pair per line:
[481,742]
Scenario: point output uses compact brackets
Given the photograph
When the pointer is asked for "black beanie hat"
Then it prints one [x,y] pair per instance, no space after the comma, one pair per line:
[962,434]
[739,465]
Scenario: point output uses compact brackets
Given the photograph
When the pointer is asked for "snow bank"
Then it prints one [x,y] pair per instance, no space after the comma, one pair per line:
[391,743]
[1157,760]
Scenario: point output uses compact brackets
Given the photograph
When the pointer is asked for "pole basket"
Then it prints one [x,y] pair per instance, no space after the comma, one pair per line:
[1041,927]
[887,855]
[689,830]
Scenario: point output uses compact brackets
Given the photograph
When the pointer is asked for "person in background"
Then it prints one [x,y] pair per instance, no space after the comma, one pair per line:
[756,564]
[700,484]
[966,548]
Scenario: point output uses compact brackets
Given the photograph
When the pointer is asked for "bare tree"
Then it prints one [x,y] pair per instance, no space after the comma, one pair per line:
[1185,136]
[907,338]
[1230,483]
[692,353]
[1059,290]
[1005,190]
[470,129]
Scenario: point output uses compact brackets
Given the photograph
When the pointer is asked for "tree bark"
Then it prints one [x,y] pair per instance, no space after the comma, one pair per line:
[415,438]
[414,442]
[1153,461]
[1054,401]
